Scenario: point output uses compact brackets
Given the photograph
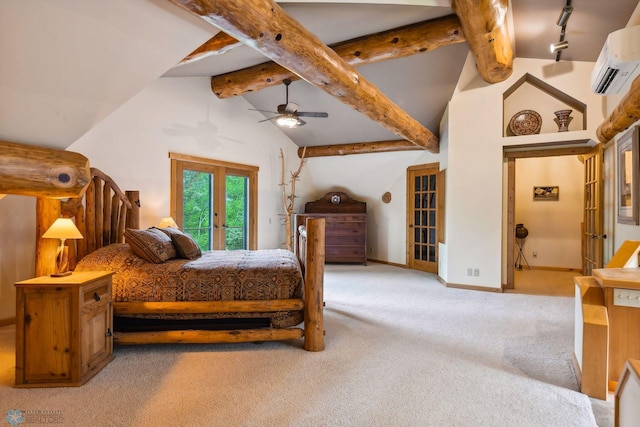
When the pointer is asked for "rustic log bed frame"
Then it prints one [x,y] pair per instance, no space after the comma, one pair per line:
[103,214]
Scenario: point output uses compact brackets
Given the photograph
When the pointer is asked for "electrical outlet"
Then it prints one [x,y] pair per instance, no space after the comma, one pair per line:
[370,251]
[469,272]
[535,254]
[476,272]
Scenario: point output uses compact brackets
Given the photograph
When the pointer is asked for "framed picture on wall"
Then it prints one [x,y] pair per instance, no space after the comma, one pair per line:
[546,193]
[628,177]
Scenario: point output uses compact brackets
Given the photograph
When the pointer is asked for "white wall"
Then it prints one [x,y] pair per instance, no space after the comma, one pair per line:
[366,177]
[182,115]
[474,195]
[17,248]
[554,226]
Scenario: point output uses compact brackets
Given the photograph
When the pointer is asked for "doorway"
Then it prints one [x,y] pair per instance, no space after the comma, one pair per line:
[215,202]
[425,214]
[557,244]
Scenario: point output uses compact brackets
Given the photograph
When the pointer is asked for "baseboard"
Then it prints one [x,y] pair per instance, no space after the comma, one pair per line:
[568,269]
[9,321]
[394,264]
[472,287]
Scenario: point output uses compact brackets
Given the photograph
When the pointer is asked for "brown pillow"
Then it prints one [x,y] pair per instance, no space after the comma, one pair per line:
[186,247]
[151,245]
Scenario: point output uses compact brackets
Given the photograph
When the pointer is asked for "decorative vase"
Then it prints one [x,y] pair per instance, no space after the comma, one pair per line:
[563,118]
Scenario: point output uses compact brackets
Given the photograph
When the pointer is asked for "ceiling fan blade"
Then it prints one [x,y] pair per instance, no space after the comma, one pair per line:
[262,111]
[270,118]
[311,114]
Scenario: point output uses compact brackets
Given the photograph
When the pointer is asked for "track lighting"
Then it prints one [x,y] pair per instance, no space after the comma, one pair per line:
[564,15]
[555,47]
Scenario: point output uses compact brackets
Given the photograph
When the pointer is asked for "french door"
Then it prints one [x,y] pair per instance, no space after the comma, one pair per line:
[425,212]
[592,247]
[215,202]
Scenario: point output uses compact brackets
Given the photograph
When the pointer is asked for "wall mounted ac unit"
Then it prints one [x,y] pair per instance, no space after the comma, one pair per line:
[618,60]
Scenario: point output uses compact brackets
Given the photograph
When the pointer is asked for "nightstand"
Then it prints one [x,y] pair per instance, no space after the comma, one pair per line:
[64,329]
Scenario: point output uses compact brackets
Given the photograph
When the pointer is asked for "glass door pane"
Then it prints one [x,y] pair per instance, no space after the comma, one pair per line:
[237,212]
[197,207]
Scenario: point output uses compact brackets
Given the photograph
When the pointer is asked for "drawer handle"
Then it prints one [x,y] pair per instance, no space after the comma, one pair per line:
[109,332]
[96,296]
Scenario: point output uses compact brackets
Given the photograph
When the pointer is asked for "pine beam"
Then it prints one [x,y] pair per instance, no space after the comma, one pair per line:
[29,170]
[484,24]
[358,148]
[396,43]
[623,116]
[266,27]
[217,45]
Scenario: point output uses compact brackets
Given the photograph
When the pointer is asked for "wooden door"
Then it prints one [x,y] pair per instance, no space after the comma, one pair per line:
[425,212]
[593,234]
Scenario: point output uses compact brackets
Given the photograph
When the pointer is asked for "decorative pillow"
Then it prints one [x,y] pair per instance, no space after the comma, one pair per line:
[186,247]
[151,245]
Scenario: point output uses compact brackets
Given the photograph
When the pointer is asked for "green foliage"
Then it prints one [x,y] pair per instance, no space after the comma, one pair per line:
[198,209]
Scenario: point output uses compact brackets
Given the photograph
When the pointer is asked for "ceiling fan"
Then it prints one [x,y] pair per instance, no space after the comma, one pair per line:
[288,115]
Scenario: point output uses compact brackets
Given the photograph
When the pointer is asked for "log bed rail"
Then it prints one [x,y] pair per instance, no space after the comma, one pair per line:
[104,212]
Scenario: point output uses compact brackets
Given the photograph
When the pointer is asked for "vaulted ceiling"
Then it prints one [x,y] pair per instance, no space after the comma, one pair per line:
[420,84]
[62,53]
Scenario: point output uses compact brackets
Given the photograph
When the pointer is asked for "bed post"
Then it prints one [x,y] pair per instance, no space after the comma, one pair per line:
[313,286]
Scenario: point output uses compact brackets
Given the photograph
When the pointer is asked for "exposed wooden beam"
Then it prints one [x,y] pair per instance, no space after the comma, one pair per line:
[263,25]
[29,170]
[623,116]
[484,24]
[396,43]
[357,148]
[217,45]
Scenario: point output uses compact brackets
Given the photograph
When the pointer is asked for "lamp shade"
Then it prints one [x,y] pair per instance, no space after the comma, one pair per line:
[63,228]
[167,222]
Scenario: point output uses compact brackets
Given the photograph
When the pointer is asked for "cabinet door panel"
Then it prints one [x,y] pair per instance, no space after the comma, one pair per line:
[49,349]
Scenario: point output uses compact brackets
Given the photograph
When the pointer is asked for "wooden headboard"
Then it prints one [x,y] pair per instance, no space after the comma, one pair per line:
[101,214]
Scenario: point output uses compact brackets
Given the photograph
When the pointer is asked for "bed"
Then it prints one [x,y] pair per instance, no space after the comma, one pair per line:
[216,297]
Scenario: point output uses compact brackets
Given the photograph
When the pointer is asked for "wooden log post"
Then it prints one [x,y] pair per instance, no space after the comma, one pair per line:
[133,215]
[313,286]
[47,211]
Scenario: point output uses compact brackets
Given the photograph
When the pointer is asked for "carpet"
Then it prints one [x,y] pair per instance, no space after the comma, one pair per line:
[401,350]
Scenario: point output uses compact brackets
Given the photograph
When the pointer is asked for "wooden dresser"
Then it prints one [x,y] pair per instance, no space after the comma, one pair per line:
[345,226]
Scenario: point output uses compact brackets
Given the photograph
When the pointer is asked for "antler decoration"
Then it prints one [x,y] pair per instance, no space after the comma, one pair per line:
[288,201]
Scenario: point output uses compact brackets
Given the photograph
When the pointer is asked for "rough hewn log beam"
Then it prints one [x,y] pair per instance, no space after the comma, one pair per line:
[38,171]
[358,148]
[263,25]
[217,45]
[484,24]
[623,116]
[396,43]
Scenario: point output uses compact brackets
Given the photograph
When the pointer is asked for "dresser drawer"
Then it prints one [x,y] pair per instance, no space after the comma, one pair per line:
[347,240]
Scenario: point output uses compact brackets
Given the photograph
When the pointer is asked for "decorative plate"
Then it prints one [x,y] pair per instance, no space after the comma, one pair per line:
[525,122]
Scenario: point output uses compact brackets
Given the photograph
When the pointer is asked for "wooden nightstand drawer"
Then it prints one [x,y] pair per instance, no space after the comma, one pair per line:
[64,329]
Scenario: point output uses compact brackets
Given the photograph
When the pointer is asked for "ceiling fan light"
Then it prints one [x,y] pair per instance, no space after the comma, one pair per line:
[288,121]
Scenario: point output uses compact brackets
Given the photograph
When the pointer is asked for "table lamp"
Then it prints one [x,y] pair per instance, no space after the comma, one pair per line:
[167,222]
[62,228]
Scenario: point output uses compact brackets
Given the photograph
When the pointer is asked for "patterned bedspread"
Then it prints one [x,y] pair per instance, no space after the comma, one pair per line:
[215,276]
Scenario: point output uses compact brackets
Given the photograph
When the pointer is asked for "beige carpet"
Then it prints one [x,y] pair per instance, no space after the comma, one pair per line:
[401,350]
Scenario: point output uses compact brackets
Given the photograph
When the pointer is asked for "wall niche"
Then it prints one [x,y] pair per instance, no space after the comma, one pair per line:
[529,106]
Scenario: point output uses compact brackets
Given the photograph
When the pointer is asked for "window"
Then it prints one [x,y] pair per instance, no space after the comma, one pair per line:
[215,201]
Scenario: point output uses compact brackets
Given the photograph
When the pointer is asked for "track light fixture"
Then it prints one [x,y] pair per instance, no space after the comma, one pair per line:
[564,15]
[562,44]
[555,47]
